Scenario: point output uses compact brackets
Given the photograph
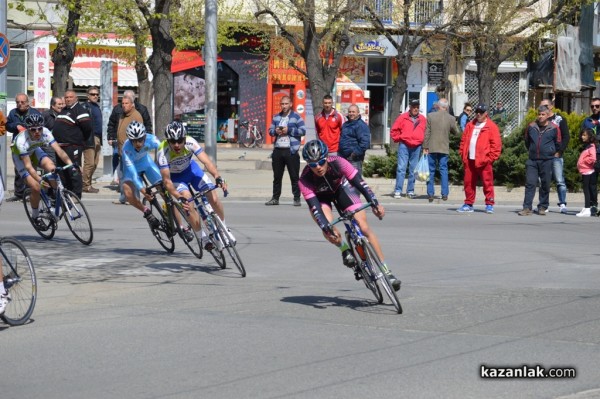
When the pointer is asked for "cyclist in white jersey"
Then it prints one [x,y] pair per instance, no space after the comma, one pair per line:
[27,154]
[175,158]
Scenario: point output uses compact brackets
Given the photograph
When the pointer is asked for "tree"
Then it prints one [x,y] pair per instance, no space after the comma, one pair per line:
[321,39]
[64,53]
[500,30]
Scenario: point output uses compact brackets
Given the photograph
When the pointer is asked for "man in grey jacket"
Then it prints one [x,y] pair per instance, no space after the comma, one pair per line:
[436,146]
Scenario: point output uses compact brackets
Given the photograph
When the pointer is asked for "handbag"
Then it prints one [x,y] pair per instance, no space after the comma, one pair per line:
[422,170]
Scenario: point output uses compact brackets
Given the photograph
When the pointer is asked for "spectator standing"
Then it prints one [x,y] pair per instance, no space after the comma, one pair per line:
[91,154]
[328,124]
[465,116]
[15,123]
[355,139]
[117,137]
[115,116]
[480,147]
[498,113]
[56,106]
[593,121]
[408,131]
[436,145]
[542,140]
[288,128]
[557,162]
[72,129]
[585,166]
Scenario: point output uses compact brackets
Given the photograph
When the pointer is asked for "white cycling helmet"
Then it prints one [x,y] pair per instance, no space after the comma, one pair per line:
[175,131]
[135,131]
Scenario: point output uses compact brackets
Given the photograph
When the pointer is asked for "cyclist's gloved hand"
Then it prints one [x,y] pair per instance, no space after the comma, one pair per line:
[219,181]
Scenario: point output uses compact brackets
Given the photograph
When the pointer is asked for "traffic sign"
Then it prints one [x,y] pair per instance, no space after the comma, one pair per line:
[4,50]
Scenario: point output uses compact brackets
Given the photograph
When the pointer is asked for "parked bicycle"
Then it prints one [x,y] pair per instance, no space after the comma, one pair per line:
[19,280]
[220,237]
[64,204]
[249,134]
[173,219]
[369,267]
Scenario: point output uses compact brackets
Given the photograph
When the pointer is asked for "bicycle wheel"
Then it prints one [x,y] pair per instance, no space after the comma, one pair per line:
[162,233]
[229,242]
[367,277]
[48,227]
[384,280]
[19,280]
[77,217]
[244,137]
[193,242]
[215,252]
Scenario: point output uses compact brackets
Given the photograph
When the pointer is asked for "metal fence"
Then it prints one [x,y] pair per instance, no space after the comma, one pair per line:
[428,12]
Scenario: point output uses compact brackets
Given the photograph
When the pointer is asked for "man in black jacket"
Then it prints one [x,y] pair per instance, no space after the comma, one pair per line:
[72,128]
[91,154]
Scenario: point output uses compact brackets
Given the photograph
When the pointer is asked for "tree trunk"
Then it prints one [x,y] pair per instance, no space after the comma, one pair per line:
[162,82]
[487,56]
[64,53]
[400,85]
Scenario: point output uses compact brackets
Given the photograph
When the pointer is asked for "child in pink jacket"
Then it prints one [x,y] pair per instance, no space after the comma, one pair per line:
[585,165]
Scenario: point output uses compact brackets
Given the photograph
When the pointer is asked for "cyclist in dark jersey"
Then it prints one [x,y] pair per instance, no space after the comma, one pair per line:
[333,180]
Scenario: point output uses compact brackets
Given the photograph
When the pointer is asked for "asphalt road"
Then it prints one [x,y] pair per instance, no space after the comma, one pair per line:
[123,319]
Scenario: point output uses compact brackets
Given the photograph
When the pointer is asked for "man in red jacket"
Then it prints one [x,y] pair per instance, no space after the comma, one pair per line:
[408,131]
[329,125]
[480,146]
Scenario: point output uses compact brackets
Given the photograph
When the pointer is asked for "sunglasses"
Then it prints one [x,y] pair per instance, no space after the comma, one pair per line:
[94,94]
[595,105]
[179,141]
[479,111]
[36,129]
[22,102]
[320,162]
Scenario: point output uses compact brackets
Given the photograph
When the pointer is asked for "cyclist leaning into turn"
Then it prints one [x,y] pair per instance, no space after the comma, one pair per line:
[27,154]
[174,159]
[333,180]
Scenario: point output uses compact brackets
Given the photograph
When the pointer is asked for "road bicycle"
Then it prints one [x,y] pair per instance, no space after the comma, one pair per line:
[250,135]
[173,220]
[63,204]
[19,280]
[369,267]
[213,227]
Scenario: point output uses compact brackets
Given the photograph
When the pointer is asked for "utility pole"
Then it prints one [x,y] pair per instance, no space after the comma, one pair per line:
[3,94]
[210,74]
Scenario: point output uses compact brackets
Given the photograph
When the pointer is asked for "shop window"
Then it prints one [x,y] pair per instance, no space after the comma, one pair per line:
[376,70]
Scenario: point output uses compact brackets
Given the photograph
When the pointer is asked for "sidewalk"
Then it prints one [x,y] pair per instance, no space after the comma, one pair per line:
[249,176]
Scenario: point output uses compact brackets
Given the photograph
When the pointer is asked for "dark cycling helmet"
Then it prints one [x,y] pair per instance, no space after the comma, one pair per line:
[314,150]
[175,131]
[34,120]
[135,131]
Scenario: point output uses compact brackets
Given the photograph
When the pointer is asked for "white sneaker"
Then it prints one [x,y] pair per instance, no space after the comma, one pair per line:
[4,300]
[585,213]
[397,194]
[563,208]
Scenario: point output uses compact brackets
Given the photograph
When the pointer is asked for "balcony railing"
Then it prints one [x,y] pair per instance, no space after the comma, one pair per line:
[427,12]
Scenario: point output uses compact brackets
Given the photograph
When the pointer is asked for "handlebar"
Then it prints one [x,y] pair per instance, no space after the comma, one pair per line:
[349,215]
[57,169]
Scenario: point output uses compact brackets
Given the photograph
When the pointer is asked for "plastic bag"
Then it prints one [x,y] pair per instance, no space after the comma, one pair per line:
[422,169]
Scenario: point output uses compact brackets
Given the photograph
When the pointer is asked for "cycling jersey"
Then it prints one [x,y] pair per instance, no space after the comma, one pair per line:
[135,162]
[25,146]
[177,162]
[341,185]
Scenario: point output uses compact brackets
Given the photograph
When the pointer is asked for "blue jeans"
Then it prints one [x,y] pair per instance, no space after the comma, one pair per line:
[557,173]
[441,160]
[407,156]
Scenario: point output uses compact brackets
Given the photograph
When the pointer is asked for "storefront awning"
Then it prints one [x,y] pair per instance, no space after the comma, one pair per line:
[187,59]
[88,74]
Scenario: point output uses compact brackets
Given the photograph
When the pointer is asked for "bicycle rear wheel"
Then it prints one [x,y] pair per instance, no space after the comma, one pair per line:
[244,137]
[367,276]
[162,233]
[77,217]
[49,226]
[229,242]
[194,243]
[19,280]
[384,280]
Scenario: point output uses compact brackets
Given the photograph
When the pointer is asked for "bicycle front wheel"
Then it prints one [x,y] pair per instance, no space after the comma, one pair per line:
[186,230]
[19,281]
[367,277]
[229,242]
[244,138]
[47,225]
[217,249]
[384,280]
[77,217]
[162,233]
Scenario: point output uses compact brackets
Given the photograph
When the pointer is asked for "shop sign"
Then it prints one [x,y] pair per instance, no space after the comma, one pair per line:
[372,46]
[597,76]
[41,75]
[435,73]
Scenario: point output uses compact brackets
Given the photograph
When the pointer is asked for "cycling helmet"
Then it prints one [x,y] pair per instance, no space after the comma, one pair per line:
[135,131]
[34,120]
[175,131]
[314,150]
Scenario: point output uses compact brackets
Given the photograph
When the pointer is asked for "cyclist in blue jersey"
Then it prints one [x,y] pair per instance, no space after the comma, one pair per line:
[27,154]
[136,160]
[175,160]
[332,180]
